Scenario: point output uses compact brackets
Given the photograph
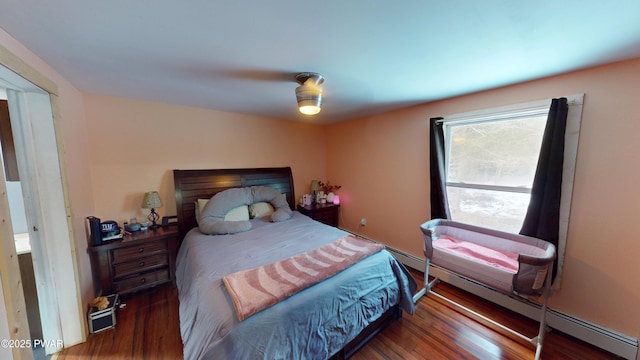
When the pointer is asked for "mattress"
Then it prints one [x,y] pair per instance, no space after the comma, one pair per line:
[315,323]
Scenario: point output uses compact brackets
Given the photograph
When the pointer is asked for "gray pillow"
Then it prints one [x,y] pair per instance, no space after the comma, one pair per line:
[211,219]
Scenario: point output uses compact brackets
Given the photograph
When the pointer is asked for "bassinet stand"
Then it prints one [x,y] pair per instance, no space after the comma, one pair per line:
[536,341]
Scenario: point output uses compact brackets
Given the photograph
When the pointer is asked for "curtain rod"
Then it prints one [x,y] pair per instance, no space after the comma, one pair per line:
[575,99]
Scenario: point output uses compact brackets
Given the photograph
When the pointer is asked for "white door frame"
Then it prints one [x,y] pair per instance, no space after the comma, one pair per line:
[13,317]
[41,167]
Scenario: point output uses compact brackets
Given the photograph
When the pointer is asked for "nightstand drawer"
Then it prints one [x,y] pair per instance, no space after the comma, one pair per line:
[139,265]
[325,213]
[326,216]
[133,252]
[141,281]
[139,261]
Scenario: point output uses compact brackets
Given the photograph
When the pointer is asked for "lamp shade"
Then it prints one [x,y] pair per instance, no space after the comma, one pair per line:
[309,93]
[151,200]
[314,185]
[309,98]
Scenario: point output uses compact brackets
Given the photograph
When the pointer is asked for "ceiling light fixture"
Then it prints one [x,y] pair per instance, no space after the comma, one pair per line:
[309,93]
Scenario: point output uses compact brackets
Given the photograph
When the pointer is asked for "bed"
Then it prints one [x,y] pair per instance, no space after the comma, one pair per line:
[509,263]
[331,319]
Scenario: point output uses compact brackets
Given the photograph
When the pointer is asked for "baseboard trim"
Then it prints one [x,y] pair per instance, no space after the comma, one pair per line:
[607,339]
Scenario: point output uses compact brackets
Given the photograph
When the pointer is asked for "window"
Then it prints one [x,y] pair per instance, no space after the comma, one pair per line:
[491,162]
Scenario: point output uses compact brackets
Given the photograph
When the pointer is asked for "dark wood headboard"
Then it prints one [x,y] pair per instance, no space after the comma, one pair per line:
[191,185]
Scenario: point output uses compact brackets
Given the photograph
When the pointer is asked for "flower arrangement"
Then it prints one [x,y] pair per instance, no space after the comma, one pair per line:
[328,187]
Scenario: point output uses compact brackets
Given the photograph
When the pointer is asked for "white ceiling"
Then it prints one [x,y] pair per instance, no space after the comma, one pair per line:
[241,55]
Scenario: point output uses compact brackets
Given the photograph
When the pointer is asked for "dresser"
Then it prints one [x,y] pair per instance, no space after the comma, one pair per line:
[139,261]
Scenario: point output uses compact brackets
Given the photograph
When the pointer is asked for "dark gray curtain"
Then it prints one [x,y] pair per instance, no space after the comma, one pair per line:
[543,215]
[439,201]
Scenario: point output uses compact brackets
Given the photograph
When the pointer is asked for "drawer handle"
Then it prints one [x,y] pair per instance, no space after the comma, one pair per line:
[141,264]
[141,250]
[143,280]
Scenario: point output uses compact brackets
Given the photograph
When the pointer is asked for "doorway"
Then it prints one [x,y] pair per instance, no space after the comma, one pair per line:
[20,227]
[47,213]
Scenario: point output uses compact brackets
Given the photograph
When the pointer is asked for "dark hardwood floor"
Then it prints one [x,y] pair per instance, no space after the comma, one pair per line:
[439,331]
[148,328]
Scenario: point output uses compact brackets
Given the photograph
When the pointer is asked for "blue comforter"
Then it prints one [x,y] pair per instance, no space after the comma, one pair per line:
[313,324]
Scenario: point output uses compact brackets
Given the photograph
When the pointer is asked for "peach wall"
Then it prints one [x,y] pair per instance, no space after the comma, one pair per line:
[135,145]
[382,164]
[73,135]
[375,161]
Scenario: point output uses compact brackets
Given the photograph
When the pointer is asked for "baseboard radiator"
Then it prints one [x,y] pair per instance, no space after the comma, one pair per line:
[612,341]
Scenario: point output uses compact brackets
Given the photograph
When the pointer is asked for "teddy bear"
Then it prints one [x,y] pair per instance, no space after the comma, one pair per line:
[100,302]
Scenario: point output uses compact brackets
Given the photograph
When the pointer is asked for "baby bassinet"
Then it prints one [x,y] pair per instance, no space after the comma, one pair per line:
[509,263]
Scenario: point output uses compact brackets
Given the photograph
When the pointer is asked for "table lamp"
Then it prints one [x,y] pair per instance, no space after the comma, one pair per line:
[315,186]
[152,201]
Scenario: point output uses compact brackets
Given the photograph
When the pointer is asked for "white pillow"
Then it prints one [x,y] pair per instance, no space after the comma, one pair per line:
[260,209]
[201,204]
[240,213]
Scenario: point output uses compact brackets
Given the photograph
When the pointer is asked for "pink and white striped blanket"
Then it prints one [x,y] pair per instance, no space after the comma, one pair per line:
[504,260]
[256,289]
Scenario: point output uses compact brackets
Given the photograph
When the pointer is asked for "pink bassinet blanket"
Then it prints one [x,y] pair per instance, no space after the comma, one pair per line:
[497,258]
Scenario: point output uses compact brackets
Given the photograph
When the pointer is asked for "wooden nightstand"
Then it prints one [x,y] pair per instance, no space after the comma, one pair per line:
[325,213]
[139,261]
